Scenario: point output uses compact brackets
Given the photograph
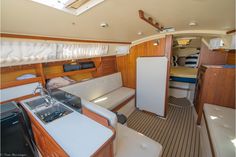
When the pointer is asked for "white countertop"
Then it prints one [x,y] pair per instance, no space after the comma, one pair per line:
[77,134]
[221,124]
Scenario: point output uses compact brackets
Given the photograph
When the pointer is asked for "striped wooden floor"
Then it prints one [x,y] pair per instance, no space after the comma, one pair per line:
[178,133]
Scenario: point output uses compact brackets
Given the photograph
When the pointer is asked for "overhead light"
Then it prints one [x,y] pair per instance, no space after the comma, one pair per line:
[104,25]
[75,7]
[156,42]
[140,33]
[167,29]
[183,42]
[193,23]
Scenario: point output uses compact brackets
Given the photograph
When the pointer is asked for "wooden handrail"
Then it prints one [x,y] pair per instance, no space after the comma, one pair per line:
[231,31]
[149,20]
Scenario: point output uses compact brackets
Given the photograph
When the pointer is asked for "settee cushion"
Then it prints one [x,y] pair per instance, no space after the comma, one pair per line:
[114,98]
[94,88]
[132,143]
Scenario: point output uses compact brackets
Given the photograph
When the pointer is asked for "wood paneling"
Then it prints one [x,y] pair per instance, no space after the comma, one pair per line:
[127,64]
[106,67]
[209,57]
[19,36]
[20,82]
[95,117]
[231,57]
[60,74]
[168,54]
[215,85]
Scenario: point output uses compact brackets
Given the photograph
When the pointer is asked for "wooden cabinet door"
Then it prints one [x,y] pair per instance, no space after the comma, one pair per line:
[199,83]
[39,140]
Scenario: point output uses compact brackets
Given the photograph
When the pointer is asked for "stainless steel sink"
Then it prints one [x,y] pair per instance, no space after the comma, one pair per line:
[37,103]
[53,112]
[47,112]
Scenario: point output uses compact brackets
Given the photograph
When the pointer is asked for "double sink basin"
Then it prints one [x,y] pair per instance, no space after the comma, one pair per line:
[48,112]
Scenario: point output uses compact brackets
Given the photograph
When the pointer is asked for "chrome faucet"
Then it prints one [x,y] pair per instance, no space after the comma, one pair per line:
[45,94]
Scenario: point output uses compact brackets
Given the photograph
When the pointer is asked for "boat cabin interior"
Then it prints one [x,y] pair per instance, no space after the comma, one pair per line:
[117,78]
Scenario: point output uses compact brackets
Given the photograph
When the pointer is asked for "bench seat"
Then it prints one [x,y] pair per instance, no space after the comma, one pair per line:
[114,98]
[132,143]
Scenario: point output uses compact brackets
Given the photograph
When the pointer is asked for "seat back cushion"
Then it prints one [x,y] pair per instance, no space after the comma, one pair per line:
[94,88]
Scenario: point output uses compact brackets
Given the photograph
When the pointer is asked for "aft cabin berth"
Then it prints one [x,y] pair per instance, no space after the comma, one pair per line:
[117,78]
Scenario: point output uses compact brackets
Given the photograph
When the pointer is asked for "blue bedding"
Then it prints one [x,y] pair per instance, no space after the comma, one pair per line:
[183,79]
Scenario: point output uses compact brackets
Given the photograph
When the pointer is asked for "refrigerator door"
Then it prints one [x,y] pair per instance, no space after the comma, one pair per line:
[151,84]
[13,141]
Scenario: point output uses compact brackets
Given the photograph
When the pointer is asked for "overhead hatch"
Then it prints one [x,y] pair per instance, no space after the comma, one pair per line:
[75,7]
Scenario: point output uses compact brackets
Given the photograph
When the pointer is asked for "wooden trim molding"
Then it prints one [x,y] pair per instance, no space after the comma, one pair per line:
[20,82]
[123,104]
[6,35]
[49,76]
[95,117]
[21,98]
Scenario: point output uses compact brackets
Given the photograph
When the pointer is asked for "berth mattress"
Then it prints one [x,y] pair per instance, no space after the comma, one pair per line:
[183,74]
[221,125]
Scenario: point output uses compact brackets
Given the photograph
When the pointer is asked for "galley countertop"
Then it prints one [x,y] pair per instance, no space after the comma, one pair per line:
[77,134]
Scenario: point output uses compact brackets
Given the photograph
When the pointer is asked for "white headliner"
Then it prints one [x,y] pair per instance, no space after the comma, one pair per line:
[27,17]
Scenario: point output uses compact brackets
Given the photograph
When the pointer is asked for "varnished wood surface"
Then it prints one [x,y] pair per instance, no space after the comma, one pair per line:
[168,53]
[231,58]
[19,36]
[20,82]
[209,57]
[123,104]
[127,64]
[49,76]
[107,66]
[95,117]
[20,98]
[215,86]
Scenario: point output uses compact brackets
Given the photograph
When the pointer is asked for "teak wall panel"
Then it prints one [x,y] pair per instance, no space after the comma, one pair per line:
[231,57]
[209,57]
[127,64]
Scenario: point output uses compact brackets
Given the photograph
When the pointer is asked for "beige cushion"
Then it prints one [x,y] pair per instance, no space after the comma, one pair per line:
[94,88]
[114,98]
[131,143]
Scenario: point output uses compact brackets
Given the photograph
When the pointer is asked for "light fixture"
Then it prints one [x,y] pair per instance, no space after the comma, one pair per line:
[156,42]
[104,25]
[183,42]
[140,33]
[75,7]
[193,23]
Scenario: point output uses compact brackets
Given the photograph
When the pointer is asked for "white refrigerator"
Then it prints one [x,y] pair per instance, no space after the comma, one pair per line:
[151,84]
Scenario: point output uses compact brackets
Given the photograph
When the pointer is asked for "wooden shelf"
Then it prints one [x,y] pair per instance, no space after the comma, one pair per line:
[20,82]
[49,76]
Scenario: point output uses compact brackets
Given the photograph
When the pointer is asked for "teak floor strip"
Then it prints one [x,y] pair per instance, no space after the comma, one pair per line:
[178,133]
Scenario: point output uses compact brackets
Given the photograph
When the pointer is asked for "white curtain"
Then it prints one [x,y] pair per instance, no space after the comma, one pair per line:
[21,51]
[81,50]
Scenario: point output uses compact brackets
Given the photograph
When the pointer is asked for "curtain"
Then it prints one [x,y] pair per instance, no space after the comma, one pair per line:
[20,51]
